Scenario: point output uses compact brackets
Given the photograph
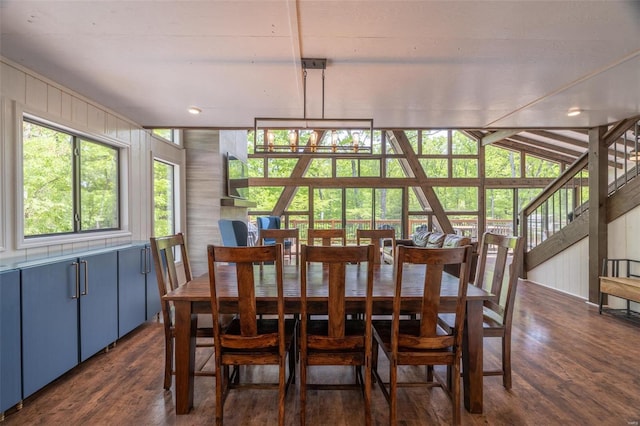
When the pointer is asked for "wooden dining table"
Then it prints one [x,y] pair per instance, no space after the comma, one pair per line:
[193,298]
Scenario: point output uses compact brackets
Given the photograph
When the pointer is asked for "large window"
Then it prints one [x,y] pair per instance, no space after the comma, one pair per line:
[164,212]
[70,183]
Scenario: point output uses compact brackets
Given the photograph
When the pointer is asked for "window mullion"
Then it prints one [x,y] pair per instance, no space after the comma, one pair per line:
[77,218]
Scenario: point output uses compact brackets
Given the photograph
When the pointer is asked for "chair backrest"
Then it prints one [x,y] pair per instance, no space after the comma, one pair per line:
[289,238]
[235,233]
[327,236]
[377,238]
[164,250]
[331,265]
[243,259]
[491,271]
[431,335]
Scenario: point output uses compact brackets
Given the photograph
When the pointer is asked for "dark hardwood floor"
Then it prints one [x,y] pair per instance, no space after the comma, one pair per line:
[571,366]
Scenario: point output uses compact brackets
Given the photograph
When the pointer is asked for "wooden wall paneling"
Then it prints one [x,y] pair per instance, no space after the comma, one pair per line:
[79,112]
[123,130]
[112,126]
[137,183]
[96,119]
[65,106]
[13,83]
[36,94]
[54,101]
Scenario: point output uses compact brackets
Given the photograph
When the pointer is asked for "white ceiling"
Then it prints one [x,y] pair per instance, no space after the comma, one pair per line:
[406,64]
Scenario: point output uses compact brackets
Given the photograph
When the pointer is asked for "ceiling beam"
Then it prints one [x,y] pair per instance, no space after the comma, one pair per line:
[546,145]
[499,135]
[538,152]
[561,138]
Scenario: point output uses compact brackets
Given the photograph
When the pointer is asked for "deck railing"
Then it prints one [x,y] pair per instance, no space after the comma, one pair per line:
[467,227]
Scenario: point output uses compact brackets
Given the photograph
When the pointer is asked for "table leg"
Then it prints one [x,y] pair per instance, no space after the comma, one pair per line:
[472,348]
[185,355]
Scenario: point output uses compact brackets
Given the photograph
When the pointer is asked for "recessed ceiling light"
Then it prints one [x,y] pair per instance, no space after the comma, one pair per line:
[574,112]
[194,110]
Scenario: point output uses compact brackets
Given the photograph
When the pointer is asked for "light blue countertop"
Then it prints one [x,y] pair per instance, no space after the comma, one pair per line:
[20,263]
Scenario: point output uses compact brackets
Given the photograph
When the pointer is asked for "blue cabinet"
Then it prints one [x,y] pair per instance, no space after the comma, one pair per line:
[153,295]
[69,312]
[132,290]
[49,323]
[10,364]
[98,303]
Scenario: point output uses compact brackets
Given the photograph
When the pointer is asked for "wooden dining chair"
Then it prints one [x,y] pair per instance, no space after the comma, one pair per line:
[289,238]
[500,255]
[328,236]
[335,339]
[377,237]
[426,340]
[249,340]
[164,251]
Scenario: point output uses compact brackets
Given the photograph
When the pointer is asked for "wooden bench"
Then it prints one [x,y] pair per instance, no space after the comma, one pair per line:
[619,280]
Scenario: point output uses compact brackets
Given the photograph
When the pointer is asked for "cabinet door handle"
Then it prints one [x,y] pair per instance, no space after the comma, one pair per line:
[86,278]
[143,260]
[76,266]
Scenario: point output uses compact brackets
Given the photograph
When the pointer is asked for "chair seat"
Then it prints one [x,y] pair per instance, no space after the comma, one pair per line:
[318,336]
[270,241]
[410,330]
[266,339]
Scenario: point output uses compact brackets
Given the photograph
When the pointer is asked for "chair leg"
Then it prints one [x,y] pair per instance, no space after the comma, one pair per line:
[221,379]
[455,391]
[393,392]
[168,362]
[367,392]
[429,373]
[506,361]
[281,390]
[303,389]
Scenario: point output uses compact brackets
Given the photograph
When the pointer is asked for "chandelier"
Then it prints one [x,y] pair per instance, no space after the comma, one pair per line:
[313,135]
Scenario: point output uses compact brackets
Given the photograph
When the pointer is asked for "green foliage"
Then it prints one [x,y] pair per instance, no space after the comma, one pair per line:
[500,162]
[51,183]
[163,204]
[435,167]
[444,149]
[499,203]
[47,170]
[98,186]
[266,197]
[164,133]
[327,203]
[464,167]
[461,144]
[435,142]
[458,198]
[537,167]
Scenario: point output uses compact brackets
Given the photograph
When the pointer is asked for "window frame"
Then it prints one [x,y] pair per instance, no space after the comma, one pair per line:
[175,194]
[24,242]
